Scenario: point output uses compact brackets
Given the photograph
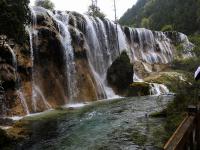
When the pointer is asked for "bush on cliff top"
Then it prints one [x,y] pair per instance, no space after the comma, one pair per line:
[45,3]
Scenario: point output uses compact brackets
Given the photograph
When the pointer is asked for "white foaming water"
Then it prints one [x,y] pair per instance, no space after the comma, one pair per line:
[5,127]
[15,118]
[77,105]
[158,89]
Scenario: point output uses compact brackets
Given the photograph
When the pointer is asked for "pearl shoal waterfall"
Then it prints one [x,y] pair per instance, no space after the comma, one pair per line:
[70,55]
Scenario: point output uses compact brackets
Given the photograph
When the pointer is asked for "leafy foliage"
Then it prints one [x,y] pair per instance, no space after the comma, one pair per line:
[13,18]
[167,28]
[182,15]
[195,39]
[95,11]
[45,3]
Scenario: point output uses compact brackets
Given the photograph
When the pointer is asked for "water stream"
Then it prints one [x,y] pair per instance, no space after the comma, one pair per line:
[112,124]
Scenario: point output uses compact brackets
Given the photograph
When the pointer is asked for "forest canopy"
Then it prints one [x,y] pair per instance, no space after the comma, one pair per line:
[180,15]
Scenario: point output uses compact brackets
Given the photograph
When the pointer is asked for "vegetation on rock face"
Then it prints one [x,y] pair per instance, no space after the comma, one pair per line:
[45,3]
[167,28]
[190,64]
[120,73]
[182,16]
[13,18]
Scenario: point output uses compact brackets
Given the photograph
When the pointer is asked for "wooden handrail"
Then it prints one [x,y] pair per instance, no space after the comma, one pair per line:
[187,135]
[181,135]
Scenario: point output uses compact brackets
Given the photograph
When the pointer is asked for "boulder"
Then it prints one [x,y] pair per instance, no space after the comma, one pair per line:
[120,73]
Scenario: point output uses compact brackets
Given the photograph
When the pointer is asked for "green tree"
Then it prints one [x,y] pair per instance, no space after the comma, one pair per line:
[182,14]
[95,11]
[145,23]
[45,3]
[14,17]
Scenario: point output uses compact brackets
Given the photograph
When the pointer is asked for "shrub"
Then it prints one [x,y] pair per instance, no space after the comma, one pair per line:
[167,28]
[45,3]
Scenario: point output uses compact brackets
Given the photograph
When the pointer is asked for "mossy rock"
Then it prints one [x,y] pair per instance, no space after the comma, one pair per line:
[173,80]
[120,73]
[138,89]
[4,139]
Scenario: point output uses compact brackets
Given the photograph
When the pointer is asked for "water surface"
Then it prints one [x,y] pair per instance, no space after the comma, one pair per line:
[121,124]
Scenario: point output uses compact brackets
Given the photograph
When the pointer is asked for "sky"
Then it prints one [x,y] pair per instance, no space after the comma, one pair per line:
[106,6]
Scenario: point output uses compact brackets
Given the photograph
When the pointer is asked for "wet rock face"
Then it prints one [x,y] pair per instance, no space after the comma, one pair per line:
[50,63]
[120,73]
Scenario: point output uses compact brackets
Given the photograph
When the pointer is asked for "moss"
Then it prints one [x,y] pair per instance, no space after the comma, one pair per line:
[160,114]
[173,80]
[168,27]
[139,89]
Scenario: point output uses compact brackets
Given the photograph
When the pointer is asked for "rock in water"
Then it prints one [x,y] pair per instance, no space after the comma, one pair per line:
[120,73]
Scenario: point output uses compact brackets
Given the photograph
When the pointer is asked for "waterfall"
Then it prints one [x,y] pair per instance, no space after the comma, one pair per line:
[99,53]
[33,38]
[19,92]
[101,44]
[151,47]
[14,59]
[23,101]
[62,20]
[158,89]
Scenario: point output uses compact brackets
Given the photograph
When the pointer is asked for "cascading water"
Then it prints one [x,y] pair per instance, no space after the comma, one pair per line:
[62,20]
[158,89]
[23,101]
[19,92]
[33,38]
[99,53]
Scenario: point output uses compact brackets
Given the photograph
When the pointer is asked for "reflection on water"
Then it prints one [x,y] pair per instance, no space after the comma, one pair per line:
[108,125]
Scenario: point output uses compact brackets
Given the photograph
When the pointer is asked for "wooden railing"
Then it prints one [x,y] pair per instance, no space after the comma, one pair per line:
[187,135]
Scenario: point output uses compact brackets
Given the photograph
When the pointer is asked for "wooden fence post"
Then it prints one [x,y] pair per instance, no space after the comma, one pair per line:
[198,126]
